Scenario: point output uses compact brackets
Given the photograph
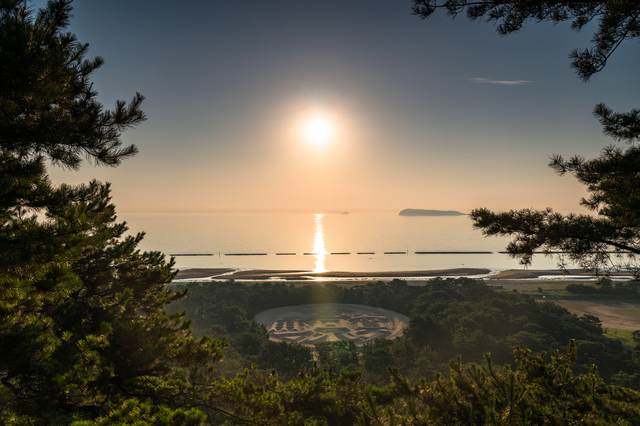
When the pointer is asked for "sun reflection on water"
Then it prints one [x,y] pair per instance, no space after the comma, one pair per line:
[318,244]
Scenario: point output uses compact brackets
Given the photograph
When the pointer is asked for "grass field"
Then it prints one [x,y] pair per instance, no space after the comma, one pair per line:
[624,335]
[619,314]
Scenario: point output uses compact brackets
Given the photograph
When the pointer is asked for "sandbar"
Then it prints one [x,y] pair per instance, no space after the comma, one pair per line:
[202,272]
[523,274]
[302,275]
[520,274]
[266,274]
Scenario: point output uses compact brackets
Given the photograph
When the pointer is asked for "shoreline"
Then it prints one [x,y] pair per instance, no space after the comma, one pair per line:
[541,284]
[218,274]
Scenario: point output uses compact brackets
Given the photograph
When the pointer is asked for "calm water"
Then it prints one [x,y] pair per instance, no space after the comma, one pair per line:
[321,235]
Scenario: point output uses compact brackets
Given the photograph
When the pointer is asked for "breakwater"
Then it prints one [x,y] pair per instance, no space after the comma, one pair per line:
[406,252]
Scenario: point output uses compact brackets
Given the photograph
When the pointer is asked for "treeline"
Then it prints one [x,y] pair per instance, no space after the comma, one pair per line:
[85,339]
[448,318]
[607,286]
[257,297]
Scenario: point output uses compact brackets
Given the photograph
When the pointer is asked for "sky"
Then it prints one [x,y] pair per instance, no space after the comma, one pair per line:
[420,112]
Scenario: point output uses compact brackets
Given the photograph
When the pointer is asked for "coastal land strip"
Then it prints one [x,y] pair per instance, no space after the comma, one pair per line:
[274,274]
[523,274]
[615,312]
[265,274]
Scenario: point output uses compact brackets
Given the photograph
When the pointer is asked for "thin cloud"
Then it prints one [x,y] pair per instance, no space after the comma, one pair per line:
[504,82]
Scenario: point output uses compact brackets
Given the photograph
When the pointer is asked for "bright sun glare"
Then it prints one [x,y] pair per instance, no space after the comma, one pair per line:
[318,131]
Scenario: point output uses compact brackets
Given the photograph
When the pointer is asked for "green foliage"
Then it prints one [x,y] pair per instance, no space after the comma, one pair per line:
[314,397]
[606,287]
[538,392]
[47,103]
[608,241]
[285,358]
[338,355]
[377,357]
[132,412]
[206,301]
[85,338]
[448,318]
[600,244]
[82,320]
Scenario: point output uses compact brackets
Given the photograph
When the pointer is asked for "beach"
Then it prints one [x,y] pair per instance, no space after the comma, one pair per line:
[285,275]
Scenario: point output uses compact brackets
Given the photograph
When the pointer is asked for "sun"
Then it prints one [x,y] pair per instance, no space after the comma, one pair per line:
[318,131]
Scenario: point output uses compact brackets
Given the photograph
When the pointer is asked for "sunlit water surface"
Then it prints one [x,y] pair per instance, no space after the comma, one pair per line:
[325,238]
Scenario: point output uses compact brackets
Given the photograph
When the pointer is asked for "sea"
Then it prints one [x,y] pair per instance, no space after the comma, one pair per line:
[356,242]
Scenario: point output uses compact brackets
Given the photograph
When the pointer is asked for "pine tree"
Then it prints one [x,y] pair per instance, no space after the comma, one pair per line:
[618,21]
[604,243]
[610,240]
[83,328]
[540,391]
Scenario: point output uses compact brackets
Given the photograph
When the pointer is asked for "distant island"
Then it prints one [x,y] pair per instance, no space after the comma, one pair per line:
[423,212]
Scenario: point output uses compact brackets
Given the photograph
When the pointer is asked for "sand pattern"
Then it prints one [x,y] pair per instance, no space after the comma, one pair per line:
[331,322]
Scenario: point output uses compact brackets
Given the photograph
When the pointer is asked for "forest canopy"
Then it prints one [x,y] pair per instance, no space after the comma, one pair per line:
[83,329]
[86,337]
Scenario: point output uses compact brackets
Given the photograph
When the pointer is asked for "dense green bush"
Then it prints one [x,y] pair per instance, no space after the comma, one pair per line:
[448,318]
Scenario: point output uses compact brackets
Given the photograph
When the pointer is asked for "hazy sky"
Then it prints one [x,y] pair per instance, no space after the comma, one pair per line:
[420,118]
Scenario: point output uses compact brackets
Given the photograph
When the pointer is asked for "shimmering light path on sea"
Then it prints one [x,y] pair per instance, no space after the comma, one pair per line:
[355,242]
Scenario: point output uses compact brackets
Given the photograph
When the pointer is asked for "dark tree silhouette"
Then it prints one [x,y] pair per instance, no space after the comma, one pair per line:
[603,243]
[609,240]
[83,329]
[618,21]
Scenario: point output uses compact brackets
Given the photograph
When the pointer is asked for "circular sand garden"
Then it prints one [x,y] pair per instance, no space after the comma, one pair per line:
[331,322]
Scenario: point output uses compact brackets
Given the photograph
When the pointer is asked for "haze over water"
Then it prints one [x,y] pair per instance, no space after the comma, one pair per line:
[224,235]
[320,106]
